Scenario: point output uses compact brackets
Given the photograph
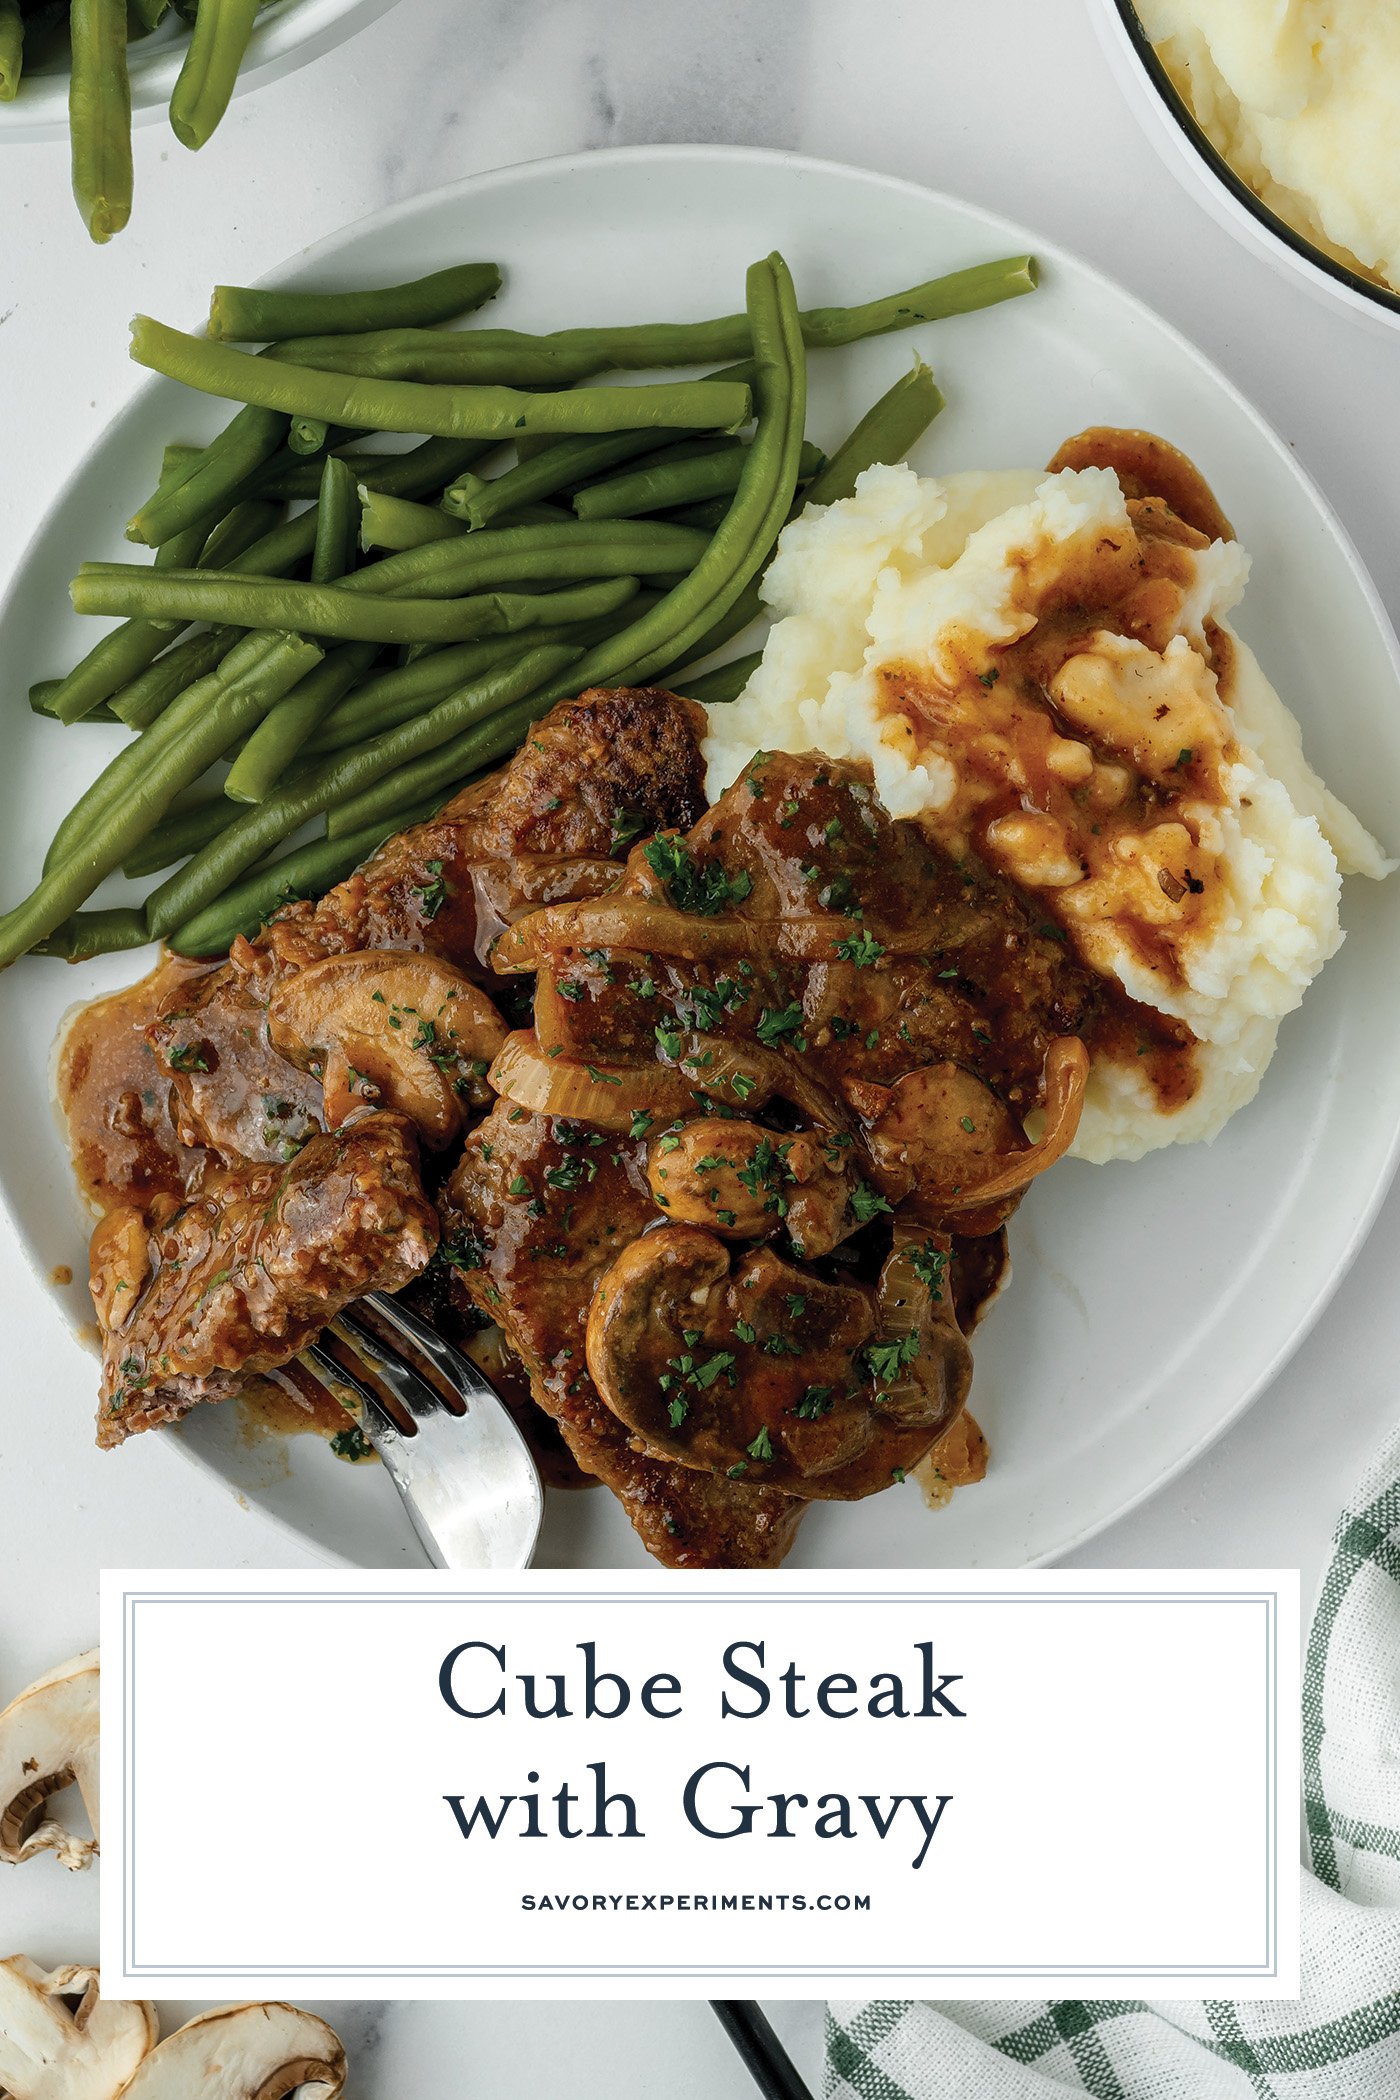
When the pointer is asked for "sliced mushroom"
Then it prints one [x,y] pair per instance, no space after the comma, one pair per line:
[968,1159]
[51,2050]
[119,1265]
[48,1741]
[389,1028]
[245,2052]
[921,1364]
[740,1181]
[731,1361]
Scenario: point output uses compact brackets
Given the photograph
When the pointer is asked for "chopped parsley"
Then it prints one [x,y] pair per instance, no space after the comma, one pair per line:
[351,1443]
[776,1022]
[867,1203]
[885,1360]
[860,949]
[761,1447]
[432,894]
[187,1057]
[818,1400]
[695,886]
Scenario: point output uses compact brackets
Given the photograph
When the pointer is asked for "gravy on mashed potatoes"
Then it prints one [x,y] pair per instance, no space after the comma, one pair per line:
[1303,100]
[1038,667]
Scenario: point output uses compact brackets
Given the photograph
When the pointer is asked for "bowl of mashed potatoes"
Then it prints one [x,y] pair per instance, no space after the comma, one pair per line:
[1282,115]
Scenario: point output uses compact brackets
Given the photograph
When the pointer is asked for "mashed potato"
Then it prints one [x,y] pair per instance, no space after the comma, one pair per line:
[1302,97]
[1161,812]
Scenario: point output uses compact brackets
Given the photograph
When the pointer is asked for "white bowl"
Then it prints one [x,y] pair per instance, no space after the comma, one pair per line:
[288,33]
[1170,124]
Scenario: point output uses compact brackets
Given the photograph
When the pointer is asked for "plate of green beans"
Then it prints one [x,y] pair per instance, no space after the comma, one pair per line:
[90,70]
[364,523]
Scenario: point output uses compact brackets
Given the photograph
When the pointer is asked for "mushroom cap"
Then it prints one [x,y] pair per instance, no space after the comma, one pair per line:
[392,1027]
[245,2052]
[48,1740]
[730,1360]
[51,2051]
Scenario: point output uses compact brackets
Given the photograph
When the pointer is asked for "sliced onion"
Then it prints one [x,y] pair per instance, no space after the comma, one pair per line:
[647,926]
[926,1392]
[607,1095]
[1066,1077]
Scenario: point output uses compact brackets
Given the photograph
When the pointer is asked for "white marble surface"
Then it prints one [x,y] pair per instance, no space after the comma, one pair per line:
[1007,102]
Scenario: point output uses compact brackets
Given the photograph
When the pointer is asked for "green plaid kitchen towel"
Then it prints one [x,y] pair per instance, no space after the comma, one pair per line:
[1341,2039]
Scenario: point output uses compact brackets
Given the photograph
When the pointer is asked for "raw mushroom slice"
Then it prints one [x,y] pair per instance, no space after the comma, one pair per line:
[48,1741]
[389,1028]
[245,2052]
[50,2050]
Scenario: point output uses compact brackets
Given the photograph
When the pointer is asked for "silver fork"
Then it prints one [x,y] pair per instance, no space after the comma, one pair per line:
[468,1478]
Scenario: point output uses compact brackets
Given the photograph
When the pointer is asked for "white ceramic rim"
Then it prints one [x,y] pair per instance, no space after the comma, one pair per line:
[289,35]
[1016,239]
[1184,145]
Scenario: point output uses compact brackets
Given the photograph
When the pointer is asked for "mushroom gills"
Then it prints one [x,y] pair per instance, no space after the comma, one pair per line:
[48,1741]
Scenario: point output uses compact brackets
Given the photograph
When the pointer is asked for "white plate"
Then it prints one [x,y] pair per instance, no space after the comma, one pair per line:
[1150,1303]
[288,33]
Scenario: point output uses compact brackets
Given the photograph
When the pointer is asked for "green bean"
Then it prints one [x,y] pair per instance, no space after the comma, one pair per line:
[663,486]
[245,526]
[99,115]
[220,37]
[884,434]
[191,888]
[151,691]
[170,765]
[120,778]
[724,684]
[308,435]
[393,523]
[570,460]
[124,655]
[149,13]
[88,933]
[466,487]
[487,355]
[277,739]
[337,523]
[178,834]
[11,49]
[410,689]
[108,666]
[440,569]
[274,744]
[437,411]
[252,438]
[761,501]
[41,698]
[441,358]
[241,314]
[433,775]
[335,611]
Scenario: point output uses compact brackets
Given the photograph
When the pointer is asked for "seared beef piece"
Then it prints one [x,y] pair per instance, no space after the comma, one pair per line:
[778,980]
[192,1297]
[534,1214]
[838,926]
[596,774]
[230,1091]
